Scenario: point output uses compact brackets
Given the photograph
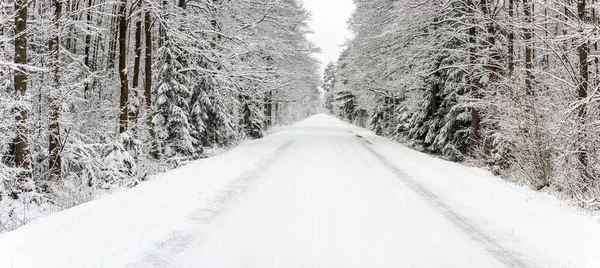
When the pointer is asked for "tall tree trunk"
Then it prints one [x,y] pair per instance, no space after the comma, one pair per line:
[491,40]
[162,31]
[215,24]
[134,113]
[211,129]
[596,59]
[528,38]
[492,70]
[54,144]
[474,137]
[583,51]
[68,42]
[124,100]
[268,106]
[245,100]
[148,84]
[276,115]
[20,84]
[112,45]
[88,43]
[433,101]
[511,39]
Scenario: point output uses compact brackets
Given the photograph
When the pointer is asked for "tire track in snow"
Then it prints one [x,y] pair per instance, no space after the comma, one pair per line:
[215,205]
[506,256]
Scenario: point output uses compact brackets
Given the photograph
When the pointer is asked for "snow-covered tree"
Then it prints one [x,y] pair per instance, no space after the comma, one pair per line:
[507,83]
[99,94]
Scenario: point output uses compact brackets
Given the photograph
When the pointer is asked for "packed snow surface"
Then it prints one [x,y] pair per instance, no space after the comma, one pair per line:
[320,193]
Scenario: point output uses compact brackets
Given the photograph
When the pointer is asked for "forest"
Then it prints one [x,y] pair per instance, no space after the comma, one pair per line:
[98,95]
[511,85]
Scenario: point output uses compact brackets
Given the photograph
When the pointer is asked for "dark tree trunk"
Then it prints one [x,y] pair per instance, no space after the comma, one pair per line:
[20,84]
[491,40]
[435,88]
[162,32]
[124,99]
[148,84]
[68,42]
[112,46]
[583,51]
[96,49]
[54,145]
[215,24]
[596,58]
[247,114]
[511,40]
[528,36]
[275,116]
[474,137]
[134,112]
[88,43]
[268,109]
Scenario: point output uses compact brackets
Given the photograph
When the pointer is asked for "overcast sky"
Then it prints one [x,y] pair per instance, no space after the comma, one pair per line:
[328,23]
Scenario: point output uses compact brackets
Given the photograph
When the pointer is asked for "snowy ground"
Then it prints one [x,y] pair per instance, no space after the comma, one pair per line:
[318,194]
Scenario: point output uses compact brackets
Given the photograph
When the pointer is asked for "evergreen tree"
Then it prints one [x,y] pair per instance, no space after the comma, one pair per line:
[172,105]
[329,80]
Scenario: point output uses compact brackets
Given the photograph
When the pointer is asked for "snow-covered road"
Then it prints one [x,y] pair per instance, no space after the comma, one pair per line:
[318,194]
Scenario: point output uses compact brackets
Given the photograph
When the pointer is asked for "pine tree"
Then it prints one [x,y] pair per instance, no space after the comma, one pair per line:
[171,102]
[329,77]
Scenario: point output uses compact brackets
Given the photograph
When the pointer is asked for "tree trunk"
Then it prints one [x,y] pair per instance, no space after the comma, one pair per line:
[88,42]
[54,150]
[511,39]
[474,137]
[215,24]
[247,113]
[491,40]
[20,84]
[528,37]
[112,46]
[276,115]
[134,113]
[124,100]
[435,89]
[583,51]
[68,42]
[268,109]
[148,84]
[594,20]
[162,32]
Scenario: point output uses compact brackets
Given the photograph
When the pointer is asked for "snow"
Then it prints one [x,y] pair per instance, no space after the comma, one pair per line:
[320,193]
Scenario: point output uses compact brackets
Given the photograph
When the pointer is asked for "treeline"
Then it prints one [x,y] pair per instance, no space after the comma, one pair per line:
[101,93]
[509,83]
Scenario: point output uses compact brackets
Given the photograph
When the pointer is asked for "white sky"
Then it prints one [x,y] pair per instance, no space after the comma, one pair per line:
[328,23]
